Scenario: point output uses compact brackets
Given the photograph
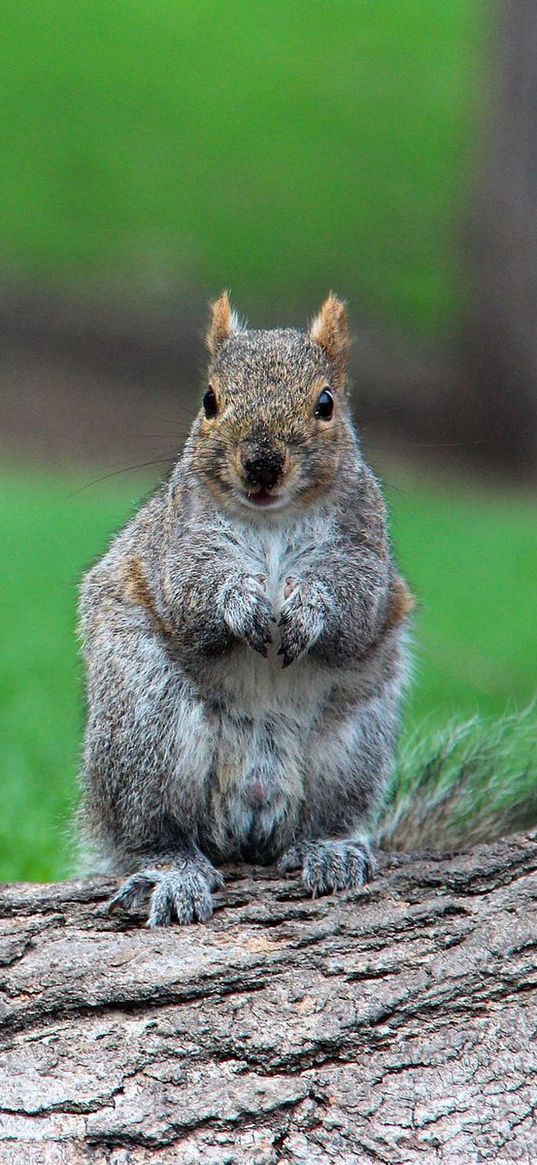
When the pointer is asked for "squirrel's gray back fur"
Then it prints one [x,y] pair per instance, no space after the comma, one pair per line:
[245,638]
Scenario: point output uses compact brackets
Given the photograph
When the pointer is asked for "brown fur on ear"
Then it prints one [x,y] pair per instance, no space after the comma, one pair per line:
[330,330]
[222,323]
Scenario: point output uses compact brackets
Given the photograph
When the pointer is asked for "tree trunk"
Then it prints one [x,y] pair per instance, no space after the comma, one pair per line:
[395,1024]
[499,399]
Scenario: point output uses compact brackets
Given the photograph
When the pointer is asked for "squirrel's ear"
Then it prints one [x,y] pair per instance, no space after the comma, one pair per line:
[223,323]
[330,330]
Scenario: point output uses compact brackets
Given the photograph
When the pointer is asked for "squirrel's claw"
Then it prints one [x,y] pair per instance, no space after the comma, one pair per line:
[180,893]
[336,865]
[300,622]
[248,613]
[328,866]
[286,659]
[132,893]
[259,639]
[182,897]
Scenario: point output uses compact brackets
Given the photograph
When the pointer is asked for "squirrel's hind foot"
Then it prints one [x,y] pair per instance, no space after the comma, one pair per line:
[179,893]
[328,866]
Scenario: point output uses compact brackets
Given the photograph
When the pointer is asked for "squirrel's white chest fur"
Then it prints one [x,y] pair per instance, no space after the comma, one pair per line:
[277,552]
[270,709]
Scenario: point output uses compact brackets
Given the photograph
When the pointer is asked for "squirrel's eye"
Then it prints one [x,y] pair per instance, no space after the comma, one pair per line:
[210,403]
[325,405]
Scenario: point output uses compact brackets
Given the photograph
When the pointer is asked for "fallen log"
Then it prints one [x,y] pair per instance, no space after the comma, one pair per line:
[394,1024]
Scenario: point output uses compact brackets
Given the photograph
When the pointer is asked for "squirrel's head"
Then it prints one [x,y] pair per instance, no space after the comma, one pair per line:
[274,422]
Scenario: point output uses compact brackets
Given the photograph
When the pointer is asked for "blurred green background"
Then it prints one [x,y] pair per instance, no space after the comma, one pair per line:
[153,154]
[271,147]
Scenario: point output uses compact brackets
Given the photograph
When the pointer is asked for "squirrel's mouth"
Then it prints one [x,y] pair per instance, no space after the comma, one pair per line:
[262,497]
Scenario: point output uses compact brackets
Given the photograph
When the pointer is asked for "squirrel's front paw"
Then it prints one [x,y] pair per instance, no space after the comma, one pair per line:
[301,620]
[181,893]
[247,611]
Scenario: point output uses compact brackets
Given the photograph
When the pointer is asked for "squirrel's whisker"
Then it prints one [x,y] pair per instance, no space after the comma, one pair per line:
[116,473]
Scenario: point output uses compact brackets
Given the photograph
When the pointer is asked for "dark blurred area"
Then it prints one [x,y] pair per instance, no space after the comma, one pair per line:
[83,382]
[387,155]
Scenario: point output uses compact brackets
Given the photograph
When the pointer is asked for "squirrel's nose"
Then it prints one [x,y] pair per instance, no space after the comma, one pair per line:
[262,468]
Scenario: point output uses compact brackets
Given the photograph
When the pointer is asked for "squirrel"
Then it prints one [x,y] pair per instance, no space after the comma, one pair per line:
[245,639]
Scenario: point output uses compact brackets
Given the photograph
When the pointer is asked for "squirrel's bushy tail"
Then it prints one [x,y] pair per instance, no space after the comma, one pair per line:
[466,783]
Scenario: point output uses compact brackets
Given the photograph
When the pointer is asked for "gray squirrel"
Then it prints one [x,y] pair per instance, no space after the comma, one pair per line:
[245,639]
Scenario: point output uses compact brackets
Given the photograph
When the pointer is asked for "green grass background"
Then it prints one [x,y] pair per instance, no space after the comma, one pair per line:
[471,560]
[277,148]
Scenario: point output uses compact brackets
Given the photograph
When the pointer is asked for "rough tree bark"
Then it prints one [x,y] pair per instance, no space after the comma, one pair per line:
[396,1024]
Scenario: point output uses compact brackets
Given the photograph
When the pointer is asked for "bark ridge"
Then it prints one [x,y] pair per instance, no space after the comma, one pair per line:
[394,1024]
